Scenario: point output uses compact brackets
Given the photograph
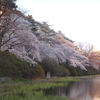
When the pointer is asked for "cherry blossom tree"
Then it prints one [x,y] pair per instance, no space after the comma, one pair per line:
[8,17]
[23,42]
[33,48]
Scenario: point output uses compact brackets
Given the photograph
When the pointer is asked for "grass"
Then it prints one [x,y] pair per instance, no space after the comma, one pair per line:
[64,79]
[32,90]
[31,96]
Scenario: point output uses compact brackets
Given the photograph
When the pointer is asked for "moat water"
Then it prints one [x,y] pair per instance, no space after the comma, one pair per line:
[86,89]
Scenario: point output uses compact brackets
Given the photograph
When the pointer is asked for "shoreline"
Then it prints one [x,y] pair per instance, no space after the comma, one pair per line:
[52,79]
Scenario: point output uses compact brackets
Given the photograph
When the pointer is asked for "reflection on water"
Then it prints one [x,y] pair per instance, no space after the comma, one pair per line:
[87,89]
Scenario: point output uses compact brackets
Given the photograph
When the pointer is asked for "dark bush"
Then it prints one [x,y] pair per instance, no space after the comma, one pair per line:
[49,64]
[38,71]
[72,70]
[77,71]
[80,71]
[52,66]
[10,66]
[91,71]
[62,71]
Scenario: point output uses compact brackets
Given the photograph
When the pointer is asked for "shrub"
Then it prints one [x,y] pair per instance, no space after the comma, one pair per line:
[62,71]
[49,64]
[80,71]
[10,66]
[38,71]
[72,70]
[91,71]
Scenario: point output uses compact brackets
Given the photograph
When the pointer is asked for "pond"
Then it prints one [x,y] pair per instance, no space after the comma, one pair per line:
[86,89]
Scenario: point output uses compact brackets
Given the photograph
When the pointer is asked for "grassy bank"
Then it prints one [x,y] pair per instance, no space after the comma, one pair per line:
[32,90]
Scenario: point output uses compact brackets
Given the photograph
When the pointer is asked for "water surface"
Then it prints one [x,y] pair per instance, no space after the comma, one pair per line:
[86,89]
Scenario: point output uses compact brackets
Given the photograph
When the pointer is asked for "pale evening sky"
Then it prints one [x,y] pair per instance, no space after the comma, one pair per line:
[79,20]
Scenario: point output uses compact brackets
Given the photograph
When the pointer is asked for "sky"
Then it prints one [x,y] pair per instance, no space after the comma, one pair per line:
[79,20]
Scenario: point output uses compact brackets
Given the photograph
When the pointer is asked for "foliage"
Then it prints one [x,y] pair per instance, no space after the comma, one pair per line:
[80,71]
[7,4]
[16,68]
[72,70]
[29,47]
[52,66]
[38,71]
[49,64]
[62,71]
[45,27]
[91,71]
[23,43]
[7,18]
[33,22]
[92,55]
[77,71]
[48,47]
[31,90]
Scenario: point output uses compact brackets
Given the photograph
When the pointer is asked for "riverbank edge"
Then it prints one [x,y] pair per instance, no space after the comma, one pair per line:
[52,79]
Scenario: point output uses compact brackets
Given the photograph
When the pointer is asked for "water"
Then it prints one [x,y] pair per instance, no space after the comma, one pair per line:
[86,89]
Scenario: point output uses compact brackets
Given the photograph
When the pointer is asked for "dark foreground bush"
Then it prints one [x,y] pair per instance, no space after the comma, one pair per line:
[10,66]
[91,71]
[50,65]
[62,71]
[77,71]
[53,67]
[73,70]
[38,71]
